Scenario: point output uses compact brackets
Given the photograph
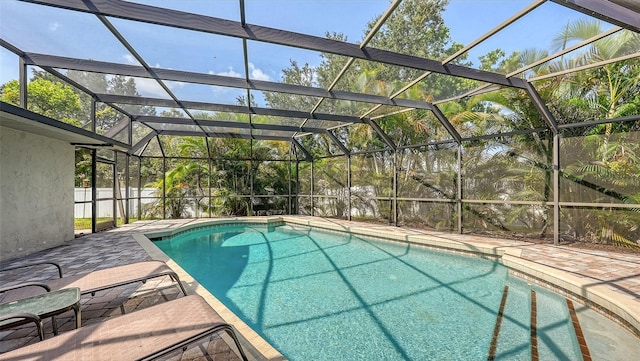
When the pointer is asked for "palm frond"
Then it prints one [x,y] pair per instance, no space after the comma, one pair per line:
[578,30]
[598,169]
[612,237]
[633,199]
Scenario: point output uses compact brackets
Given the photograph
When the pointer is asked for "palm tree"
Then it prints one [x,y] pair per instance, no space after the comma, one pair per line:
[181,185]
[599,165]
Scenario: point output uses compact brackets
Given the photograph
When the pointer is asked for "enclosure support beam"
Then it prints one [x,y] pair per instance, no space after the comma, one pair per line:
[348,186]
[126,188]
[93,115]
[459,189]
[607,11]
[290,187]
[24,78]
[164,184]
[556,188]
[587,66]
[394,216]
[52,61]
[381,133]
[542,108]
[219,107]
[149,70]
[143,142]
[223,135]
[628,118]
[130,130]
[209,182]
[213,25]
[552,123]
[304,151]
[115,186]
[94,191]
[297,198]
[338,142]
[311,192]
[81,87]
[139,188]
[122,125]
[446,123]
[251,178]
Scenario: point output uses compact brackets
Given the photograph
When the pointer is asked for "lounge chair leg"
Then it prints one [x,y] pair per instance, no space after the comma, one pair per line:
[54,325]
[24,316]
[232,333]
[175,278]
[78,312]
[40,330]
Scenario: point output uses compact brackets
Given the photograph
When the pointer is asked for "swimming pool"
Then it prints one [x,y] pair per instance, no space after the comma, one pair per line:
[316,295]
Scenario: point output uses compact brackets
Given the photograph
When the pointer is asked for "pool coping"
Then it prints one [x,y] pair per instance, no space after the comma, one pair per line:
[617,306]
[256,347]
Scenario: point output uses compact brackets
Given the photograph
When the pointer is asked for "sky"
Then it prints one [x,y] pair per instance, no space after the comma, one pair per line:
[59,32]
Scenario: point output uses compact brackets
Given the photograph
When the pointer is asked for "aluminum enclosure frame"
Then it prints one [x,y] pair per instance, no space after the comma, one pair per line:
[606,10]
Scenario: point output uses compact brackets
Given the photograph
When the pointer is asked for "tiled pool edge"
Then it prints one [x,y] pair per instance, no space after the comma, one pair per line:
[207,222]
[614,305]
[258,349]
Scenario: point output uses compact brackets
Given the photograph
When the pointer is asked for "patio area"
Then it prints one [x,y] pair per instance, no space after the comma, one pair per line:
[118,246]
[103,250]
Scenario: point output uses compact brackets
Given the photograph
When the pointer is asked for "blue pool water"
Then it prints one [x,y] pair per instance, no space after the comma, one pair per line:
[327,296]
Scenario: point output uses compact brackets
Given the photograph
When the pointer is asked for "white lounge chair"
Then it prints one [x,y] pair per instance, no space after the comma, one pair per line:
[89,283]
[141,335]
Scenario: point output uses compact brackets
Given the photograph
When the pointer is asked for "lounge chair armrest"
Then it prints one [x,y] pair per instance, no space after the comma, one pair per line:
[26,317]
[183,343]
[27,284]
[33,265]
[20,316]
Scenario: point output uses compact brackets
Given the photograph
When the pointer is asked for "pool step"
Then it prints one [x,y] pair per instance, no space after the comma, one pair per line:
[584,349]
[534,326]
[511,331]
[496,329]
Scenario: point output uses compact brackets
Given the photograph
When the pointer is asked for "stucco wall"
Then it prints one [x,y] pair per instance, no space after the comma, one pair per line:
[36,193]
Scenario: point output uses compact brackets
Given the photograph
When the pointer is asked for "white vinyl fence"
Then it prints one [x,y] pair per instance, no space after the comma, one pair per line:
[83,210]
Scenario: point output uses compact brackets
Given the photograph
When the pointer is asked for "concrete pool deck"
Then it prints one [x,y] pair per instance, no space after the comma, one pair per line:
[608,280]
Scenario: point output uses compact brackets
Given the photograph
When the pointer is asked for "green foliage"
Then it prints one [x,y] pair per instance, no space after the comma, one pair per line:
[489,61]
[52,99]
[222,166]
[182,186]
[604,168]
[416,27]
[83,167]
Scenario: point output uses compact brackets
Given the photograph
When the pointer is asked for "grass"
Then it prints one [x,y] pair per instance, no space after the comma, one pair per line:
[85,223]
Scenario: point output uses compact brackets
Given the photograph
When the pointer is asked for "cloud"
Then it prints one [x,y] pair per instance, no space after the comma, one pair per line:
[254,73]
[229,72]
[54,26]
[258,74]
[172,84]
[149,87]
[130,59]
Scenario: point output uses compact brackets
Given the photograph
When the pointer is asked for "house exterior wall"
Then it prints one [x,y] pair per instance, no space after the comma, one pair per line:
[36,193]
